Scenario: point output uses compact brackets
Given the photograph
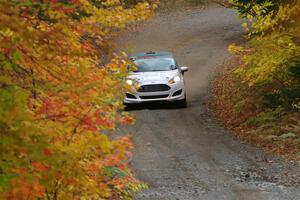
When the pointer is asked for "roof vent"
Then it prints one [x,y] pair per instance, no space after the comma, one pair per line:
[150,52]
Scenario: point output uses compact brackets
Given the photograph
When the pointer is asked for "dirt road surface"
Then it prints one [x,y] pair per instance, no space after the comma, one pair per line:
[186,154]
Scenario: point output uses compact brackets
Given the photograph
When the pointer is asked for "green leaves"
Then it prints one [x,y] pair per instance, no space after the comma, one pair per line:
[114,171]
[4,179]
[12,99]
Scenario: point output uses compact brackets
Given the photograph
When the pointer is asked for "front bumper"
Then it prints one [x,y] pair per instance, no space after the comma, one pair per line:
[176,92]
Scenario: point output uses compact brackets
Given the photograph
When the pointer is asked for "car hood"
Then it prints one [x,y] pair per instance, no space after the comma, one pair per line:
[153,77]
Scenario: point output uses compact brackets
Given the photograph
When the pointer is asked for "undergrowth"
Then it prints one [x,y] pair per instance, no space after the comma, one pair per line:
[241,109]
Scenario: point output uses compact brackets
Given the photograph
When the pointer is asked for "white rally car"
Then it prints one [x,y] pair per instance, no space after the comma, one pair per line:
[157,77]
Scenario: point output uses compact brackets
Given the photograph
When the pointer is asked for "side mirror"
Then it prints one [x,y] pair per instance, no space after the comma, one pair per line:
[129,68]
[184,69]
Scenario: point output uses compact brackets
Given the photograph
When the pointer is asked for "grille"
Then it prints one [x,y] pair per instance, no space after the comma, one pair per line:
[154,88]
[154,96]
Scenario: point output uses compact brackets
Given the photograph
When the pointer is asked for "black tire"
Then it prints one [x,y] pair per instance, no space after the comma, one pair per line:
[129,106]
[181,103]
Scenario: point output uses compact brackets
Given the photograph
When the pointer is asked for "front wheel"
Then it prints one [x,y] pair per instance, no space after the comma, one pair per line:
[128,106]
[181,103]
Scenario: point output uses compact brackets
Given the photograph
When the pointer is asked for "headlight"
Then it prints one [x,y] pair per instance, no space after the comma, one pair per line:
[129,82]
[175,79]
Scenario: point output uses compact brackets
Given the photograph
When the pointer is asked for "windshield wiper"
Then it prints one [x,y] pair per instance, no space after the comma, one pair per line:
[157,70]
[171,67]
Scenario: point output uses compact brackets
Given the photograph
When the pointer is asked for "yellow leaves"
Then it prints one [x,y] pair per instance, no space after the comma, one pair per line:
[278,20]
[271,47]
[119,17]
[246,27]
[235,49]
[111,2]
[7,32]
[263,66]
[67,98]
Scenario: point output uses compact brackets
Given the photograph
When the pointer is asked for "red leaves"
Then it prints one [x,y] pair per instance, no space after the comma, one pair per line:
[65,8]
[77,2]
[60,110]
[52,108]
[47,152]
[68,10]
[6,51]
[39,166]
[97,120]
[53,1]
[103,119]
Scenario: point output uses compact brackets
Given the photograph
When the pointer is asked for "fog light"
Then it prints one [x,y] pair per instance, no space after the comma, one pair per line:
[178,92]
[130,96]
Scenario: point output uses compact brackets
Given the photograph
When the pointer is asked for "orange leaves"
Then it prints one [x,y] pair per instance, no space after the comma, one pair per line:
[63,87]
[125,142]
[20,171]
[39,166]
[51,108]
[23,190]
[127,120]
[98,120]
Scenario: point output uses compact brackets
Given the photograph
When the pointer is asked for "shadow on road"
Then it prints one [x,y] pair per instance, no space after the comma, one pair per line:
[158,105]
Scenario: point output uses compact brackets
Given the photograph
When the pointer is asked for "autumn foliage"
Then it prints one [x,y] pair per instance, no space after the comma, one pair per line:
[61,90]
[259,94]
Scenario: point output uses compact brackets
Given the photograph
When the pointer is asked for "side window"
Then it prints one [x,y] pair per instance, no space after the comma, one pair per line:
[176,64]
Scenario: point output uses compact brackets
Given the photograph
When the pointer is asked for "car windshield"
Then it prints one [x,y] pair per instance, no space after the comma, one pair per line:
[150,64]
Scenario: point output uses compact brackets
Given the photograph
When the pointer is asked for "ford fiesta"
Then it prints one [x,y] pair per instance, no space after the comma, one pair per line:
[157,77]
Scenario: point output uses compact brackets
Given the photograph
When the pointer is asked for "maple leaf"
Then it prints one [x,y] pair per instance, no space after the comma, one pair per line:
[57,97]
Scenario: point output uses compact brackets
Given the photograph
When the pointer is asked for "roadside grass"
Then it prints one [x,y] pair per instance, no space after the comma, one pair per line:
[240,109]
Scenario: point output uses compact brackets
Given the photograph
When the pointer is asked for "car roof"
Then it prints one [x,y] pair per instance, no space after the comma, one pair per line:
[150,54]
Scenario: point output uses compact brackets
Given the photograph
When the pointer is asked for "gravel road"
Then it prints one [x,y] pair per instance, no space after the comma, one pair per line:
[186,154]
